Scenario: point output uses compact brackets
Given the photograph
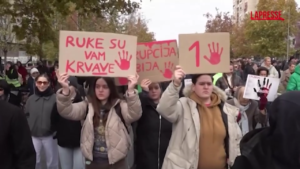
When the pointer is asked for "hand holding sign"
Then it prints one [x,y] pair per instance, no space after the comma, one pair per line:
[215,55]
[132,82]
[145,84]
[178,75]
[263,92]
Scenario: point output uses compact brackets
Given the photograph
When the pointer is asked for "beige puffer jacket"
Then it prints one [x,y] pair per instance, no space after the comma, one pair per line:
[117,138]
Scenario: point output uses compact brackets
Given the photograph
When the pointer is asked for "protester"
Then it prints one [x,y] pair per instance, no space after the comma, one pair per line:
[38,108]
[262,71]
[16,148]
[276,146]
[31,80]
[237,71]
[287,74]
[11,75]
[68,135]
[153,132]
[229,82]
[272,70]
[7,95]
[22,71]
[275,64]
[105,140]
[293,83]
[248,69]
[202,121]
[249,114]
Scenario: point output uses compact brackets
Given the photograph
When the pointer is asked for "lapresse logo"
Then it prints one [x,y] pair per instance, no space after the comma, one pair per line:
[266,15]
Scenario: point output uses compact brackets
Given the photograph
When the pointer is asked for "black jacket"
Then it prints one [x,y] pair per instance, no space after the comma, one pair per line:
[16,147]
[277,146]
[153,134]
[68,132]
[12,73]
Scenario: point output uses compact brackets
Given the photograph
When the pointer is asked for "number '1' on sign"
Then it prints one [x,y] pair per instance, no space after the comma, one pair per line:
[196,45]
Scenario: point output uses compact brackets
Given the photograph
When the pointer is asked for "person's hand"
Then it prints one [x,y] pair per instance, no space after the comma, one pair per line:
[62,79]
[234,89]
[132,82]
[145,84]
[178,75]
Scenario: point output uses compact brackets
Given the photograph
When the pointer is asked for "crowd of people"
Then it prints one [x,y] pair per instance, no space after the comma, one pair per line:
[86,122]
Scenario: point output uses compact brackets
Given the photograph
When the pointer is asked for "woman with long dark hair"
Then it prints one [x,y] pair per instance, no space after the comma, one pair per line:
[105,139]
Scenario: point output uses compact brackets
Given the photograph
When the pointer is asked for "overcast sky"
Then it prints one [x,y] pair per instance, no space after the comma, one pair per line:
[168,18]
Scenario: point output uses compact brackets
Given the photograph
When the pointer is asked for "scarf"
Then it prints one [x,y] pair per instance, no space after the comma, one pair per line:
[243,123]
[46,93]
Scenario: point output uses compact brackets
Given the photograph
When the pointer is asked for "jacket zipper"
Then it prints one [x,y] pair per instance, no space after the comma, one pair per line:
[159,132]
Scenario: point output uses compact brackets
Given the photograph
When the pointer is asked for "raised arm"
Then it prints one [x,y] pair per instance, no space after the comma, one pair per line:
[132,111]
[169,105]
[68,109]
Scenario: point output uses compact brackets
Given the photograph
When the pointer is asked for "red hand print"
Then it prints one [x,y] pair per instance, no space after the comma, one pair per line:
[215,55]
[123,80]
[124,63]
[168,72]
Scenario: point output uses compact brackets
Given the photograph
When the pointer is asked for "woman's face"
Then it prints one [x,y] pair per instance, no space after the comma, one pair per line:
[263,73]
[102,90]
[42,83]
[154,91]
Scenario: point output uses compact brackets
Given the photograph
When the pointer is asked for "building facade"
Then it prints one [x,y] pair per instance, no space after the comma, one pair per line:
[241,8]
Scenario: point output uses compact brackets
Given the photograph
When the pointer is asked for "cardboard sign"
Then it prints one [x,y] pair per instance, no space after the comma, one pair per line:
[157,60]
[97,54]
[204,53]
[258,84]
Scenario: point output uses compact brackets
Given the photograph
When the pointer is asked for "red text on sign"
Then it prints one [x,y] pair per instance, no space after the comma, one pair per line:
[156,53]
[94,55]
[94,68]
[93,43]
[147,66]
[196,45]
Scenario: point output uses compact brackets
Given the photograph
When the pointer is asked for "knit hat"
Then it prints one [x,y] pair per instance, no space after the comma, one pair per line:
[34,70]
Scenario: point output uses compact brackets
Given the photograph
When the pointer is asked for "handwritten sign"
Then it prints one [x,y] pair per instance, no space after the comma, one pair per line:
[204,53]
[97,54]
[157,60]
[259,84]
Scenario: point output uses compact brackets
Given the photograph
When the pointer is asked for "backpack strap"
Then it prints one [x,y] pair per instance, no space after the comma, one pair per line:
[119,113]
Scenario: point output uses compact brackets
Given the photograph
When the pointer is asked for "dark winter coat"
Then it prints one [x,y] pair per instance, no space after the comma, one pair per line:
[153,134]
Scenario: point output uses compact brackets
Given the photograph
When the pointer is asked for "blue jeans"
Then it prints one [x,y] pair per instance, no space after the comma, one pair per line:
[71,158]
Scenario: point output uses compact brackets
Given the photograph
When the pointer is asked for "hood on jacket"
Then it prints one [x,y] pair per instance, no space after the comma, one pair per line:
[271,66]
[188,90]
[297,69]
[280,141]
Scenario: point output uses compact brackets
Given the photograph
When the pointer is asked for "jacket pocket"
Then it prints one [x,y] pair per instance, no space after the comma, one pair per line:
[174,161]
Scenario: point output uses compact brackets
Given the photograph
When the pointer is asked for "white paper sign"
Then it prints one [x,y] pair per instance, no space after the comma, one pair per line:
[257,82]
[187,82]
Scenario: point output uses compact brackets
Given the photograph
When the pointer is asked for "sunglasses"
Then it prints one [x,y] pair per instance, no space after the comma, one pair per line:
[42,82]
[1,89]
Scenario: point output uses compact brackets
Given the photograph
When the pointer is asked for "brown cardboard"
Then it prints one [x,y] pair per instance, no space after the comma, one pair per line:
[103,54]
[157,60]
[188,47]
